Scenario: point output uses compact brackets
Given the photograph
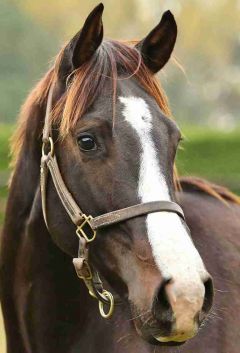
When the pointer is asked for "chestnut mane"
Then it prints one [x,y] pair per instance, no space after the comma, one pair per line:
[113,61]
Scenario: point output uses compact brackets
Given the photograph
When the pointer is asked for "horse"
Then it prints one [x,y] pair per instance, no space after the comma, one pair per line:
[109,149]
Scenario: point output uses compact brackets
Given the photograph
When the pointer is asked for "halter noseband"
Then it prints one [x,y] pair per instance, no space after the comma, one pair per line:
[86,225]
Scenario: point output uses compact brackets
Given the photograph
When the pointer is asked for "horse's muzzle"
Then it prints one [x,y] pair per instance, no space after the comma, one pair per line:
[177,312]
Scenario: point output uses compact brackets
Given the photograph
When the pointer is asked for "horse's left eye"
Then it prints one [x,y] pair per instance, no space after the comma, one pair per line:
[86,142]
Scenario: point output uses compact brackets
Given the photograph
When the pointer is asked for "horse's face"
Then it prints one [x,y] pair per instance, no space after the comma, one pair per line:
[149,260]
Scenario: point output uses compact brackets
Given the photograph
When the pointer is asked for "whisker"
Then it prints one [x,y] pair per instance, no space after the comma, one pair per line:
[123,337]
[140,315]
[148,320]
[221,290]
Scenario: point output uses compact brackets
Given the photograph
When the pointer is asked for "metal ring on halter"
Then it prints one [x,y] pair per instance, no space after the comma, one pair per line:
[108,296]
[49,142]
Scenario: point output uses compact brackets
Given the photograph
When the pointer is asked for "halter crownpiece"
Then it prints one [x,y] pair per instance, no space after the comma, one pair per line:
[86,225]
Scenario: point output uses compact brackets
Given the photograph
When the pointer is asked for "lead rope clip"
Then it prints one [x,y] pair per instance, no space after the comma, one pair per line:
[84,272]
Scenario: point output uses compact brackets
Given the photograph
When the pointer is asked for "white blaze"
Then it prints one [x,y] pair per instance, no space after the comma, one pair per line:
[173,250]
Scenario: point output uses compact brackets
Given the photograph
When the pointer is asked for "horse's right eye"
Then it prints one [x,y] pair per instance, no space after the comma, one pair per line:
[86,142]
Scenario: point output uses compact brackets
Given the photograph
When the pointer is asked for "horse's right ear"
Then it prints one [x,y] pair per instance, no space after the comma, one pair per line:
[84,44]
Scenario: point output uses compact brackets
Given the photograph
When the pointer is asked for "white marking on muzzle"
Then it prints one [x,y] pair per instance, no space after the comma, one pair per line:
[173,250]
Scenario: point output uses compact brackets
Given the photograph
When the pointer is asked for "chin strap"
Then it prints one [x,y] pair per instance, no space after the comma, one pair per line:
[86,225]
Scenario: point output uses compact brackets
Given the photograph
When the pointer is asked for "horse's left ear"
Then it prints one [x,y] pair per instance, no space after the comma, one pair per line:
[84,44]
[157,47]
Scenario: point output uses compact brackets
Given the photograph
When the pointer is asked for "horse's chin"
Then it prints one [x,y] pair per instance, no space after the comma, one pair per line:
[178,339]
[170,340]
[161,341]
[154,335]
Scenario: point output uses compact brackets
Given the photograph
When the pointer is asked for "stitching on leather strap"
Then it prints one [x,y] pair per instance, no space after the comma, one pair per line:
[67,200]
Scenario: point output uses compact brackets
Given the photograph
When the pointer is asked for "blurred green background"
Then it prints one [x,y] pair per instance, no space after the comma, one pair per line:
[204,96]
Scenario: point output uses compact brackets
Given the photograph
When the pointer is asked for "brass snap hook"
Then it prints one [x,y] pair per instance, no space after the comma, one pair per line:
[108,296]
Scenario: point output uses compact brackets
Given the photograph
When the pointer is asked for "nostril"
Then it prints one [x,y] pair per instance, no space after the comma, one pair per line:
[162,296]
[209,293]
[162,309]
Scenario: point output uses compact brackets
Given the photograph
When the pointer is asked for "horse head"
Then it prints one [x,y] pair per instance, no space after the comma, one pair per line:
[116,145]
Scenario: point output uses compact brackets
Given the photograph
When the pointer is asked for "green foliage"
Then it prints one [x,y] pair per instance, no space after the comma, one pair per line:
[212,155]
[5,133]
[25,55]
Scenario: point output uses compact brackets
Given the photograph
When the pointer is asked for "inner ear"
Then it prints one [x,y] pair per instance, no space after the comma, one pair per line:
[84,44]
[157,47]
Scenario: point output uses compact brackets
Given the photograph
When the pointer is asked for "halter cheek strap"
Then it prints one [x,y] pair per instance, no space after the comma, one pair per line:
[86,225]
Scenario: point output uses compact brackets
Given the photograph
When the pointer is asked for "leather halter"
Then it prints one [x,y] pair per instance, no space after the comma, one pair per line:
[86,225]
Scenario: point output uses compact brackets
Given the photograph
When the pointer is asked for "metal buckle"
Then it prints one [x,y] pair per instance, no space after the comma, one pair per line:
[80,231]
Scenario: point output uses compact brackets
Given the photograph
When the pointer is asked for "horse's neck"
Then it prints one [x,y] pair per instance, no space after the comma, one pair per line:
[24,184]
[25,179]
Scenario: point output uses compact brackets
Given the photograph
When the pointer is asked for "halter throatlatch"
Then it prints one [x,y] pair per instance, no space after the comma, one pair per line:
[86,225]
